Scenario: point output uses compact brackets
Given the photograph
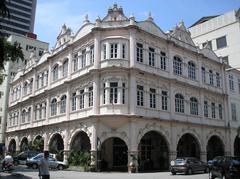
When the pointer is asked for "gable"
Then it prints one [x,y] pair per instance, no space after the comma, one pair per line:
[83,31]
[209,54]
[151,28]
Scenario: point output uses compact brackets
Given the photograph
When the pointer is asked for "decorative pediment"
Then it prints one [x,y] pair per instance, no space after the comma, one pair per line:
[115,13]
[43,58]
[63,37]
[181,33]
[83,31]
[209,54]
[150,27]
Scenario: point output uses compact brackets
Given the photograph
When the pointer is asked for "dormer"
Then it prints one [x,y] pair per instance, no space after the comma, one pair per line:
[115,13]
[63,37]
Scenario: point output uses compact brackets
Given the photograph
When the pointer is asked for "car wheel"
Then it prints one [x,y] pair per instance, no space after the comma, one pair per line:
[189,172]
[34,166]
[60,167]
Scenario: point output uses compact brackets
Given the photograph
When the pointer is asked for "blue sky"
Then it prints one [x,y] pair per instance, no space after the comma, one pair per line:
[52,14]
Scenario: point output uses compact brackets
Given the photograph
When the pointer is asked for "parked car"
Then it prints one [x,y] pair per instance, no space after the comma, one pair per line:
[53,163]
[188,165]
[227,167]
[21,158]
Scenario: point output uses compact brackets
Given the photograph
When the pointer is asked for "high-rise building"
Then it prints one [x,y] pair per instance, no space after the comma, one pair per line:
[22,17]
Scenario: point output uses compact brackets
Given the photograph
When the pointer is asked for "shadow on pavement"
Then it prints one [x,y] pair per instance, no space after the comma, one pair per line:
[13,176]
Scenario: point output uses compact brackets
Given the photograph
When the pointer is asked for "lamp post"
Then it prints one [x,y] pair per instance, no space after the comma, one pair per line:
[99,144]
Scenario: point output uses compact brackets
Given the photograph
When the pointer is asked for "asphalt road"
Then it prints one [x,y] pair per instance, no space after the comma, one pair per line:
[24,173]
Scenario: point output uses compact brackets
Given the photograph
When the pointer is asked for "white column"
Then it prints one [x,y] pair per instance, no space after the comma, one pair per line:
[49,75]
[87,56]
[172,100]
[170,61]
[48,108]
[68,106]
[86,100]
[96,93]
[69,65]
[107,92]
[132,42]
[108,50]
[200,72]
[132,93]
[97,50]
[119,92]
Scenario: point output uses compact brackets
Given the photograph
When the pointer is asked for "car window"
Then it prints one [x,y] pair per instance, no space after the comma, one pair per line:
[179,161]
[236,161]
[51,159]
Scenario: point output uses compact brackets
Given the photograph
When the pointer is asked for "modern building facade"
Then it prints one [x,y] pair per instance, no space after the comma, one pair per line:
[31,48]
[122,90]
[221,34]
[22,17]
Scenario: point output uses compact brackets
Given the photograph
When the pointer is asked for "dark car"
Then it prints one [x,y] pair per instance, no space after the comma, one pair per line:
[227,167]
[188,165]
[22,157]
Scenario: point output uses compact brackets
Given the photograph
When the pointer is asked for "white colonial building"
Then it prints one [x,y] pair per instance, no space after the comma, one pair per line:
[119,88]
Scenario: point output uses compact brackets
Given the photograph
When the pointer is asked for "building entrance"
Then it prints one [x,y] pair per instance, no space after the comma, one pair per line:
[114,155]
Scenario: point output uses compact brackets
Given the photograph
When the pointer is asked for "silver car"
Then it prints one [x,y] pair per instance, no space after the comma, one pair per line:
[53,163]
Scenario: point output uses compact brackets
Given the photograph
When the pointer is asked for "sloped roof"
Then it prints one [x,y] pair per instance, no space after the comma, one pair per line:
[152,28]
[203,19]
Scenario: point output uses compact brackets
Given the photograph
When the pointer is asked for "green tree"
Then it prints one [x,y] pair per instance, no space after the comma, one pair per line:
[8,51]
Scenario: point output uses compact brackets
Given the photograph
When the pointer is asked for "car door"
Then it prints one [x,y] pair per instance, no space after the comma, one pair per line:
[52,162]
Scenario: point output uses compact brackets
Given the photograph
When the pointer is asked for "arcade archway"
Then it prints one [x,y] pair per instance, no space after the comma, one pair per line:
[12,146]
[114,155]
[24,144]
[237,146]
[153,152]
[215,147]
[56,146]
[188,146]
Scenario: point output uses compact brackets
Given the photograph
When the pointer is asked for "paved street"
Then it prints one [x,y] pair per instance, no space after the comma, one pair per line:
[24,173]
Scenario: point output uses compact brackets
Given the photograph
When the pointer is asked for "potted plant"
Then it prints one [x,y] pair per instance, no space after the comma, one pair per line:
[133,164]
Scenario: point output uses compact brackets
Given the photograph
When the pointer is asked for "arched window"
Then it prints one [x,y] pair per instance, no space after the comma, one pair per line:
[65,68]
[177,66]
[23,116]
[193,106]
[54,107]
[203,75]
[74,101]
[25,86]
[44,105]
[55,73]
[75,62]
[63,104]
[179,103]
[191,70]
[211,77]
[29,114]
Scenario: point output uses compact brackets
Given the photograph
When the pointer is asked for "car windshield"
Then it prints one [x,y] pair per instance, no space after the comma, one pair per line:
[236,161]
[180,161]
